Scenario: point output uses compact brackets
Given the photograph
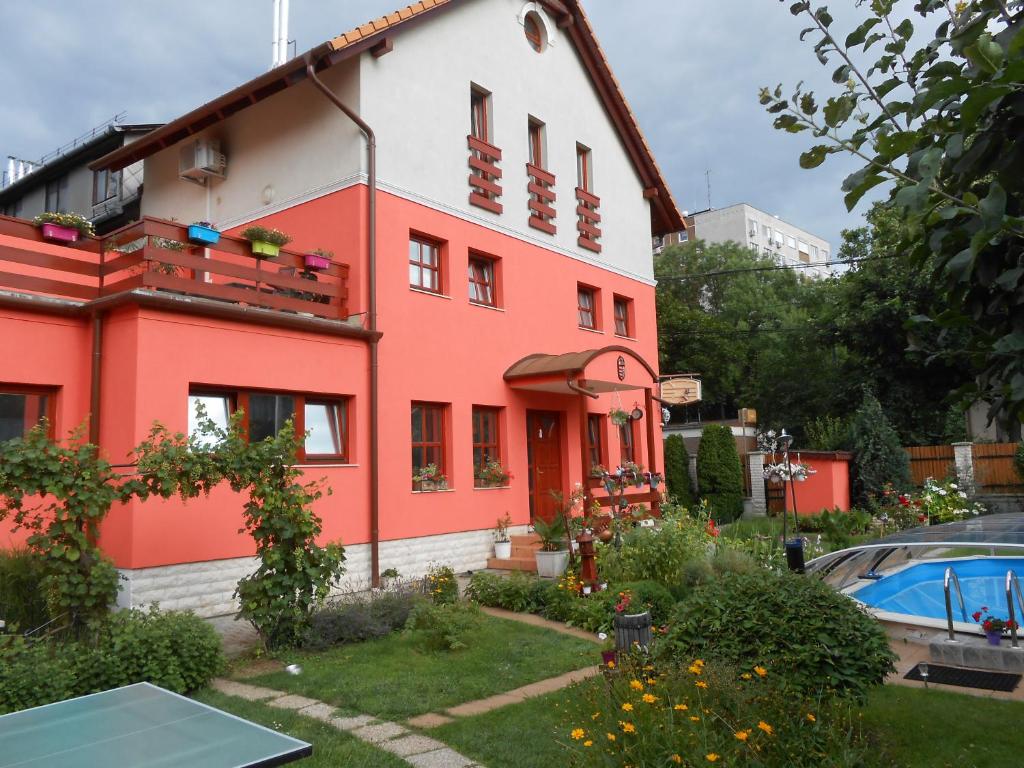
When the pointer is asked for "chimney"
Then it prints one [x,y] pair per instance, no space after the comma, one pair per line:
[279,44]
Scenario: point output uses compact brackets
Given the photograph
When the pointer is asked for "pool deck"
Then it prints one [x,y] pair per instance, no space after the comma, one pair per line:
[911,645]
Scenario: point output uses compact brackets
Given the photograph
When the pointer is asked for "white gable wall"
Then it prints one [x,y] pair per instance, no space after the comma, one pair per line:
[416,98]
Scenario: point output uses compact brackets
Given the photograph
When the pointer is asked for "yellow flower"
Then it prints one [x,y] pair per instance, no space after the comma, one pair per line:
[611,736]
[648,668]
[676,759]
[694,718]
[636,685]
[746,676]
[595,716]
[651,681]
[610,665]
[694,669]
[766,728]
[627,707]
[628,728]
[811,718]
[961,6]
[588,743]
[761,671]
[742,735]
[649,699]
[701,684]
[711,757]
[578,733]
[680,707]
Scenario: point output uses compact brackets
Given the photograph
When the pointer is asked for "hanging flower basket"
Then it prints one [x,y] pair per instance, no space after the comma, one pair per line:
[618,417]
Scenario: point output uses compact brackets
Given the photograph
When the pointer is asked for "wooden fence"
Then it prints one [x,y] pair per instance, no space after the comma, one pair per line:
[931,461]
[994,470]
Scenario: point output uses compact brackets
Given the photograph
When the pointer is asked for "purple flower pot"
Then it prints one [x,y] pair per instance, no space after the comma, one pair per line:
[316,261]
[59,234]
[994,638]
[608,656]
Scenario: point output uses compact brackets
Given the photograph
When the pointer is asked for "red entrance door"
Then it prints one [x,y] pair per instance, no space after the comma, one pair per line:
[544,451]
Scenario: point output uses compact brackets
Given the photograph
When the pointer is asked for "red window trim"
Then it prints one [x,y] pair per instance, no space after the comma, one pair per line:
[239,400]
[627,319]
[479,117]
[492,271]
[598,444]
[427,241]
[627,451]
[535,37]
[491,449]
[441,443]
[580,309]
[50,393]
[583,171]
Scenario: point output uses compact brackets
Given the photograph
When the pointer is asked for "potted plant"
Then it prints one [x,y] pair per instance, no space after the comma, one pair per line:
[598,471]
[491,474]
[608,654]
[991,625]
[429,478]
[266,243]
[63,227]
[552,558]
[618,417]
[318,260]
[631,628]
[203,233]
[502,542]
[632,472]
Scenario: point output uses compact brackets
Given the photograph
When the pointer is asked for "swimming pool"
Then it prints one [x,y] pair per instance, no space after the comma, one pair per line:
[917,589]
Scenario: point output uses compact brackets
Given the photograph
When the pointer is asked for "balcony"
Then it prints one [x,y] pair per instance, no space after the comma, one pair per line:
[587,220]
[485,175]
[542,197]
[152,263]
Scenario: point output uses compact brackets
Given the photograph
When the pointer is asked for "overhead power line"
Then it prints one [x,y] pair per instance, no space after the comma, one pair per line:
[772,268]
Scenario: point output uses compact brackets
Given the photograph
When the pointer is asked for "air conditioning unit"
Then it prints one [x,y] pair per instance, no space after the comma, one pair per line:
[200,160]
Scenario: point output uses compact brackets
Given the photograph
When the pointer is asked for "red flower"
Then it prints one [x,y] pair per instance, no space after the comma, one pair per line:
[712,530]
[918,503]
[976,615]
[922,518]
[987,626]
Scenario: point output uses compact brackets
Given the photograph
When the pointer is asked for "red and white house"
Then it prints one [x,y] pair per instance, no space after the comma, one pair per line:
[491,295]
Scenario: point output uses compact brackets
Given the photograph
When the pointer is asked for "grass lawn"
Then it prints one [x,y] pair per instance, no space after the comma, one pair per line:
[331,747]
[394,678]
[915,728]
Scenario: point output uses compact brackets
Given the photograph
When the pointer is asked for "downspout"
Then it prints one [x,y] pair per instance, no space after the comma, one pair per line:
[94,384]
[371,319]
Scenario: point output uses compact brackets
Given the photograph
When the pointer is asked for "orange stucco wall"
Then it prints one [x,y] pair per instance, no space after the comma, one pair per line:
[434,348]
[828,488]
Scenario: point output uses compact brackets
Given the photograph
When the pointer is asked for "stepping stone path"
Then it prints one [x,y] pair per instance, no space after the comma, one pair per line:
[415,749]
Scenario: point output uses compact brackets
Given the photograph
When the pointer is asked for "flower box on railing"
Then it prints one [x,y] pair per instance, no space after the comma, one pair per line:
[58,234]
[202,234]
[316,261]
[265,250]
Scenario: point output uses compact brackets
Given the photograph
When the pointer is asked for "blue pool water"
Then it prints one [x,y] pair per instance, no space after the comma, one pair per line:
[918,591]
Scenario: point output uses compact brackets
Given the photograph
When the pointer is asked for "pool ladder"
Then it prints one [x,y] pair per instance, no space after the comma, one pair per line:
[951,578]
[1013,586]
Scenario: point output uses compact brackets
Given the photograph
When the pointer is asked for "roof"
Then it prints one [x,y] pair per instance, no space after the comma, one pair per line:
[665,216]
[568,363]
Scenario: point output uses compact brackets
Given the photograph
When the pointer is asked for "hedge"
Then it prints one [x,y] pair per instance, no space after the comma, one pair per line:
[719,475]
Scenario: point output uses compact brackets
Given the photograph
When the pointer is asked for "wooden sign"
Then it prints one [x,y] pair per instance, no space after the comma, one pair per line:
[681,391]
[620,366]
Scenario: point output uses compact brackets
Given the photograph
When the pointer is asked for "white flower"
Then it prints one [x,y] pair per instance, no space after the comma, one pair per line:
[941,491]
[602,636]
[954,486]
[962,494]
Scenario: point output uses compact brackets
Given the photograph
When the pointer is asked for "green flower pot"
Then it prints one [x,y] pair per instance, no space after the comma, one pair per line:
[264,250]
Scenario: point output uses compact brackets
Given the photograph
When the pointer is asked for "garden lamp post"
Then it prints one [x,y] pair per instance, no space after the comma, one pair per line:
[794,548]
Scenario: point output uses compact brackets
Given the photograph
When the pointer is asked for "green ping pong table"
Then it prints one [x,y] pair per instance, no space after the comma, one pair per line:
[140,726]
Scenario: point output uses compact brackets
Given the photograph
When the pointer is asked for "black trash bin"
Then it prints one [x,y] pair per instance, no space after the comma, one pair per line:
[795,555]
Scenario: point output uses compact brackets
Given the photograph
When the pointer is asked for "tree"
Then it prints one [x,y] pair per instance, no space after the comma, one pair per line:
[677,471]
[719,475]
[942,126]
[879,457]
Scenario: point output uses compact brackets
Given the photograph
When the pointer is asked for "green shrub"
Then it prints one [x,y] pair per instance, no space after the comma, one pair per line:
[443,627]
[878,455]
[516,592]
[440,585]
[174,650]
[719,474]
[733,560]
[656,554]
[650,596]
[22,599]
[677,471]
[827,433]
[360,618]
[803,631]
[591,613]
[661,718]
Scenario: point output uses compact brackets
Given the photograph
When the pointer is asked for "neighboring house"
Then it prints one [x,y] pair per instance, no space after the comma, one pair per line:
[765,234]
[63,182]
[683,236]
[495,301]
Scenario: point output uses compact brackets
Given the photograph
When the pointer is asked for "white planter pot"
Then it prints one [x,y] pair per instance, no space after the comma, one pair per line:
[575,546]
[552,564]
[586,589]
[503,550]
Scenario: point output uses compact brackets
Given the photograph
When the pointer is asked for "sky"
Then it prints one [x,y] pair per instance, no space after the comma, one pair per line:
[691,70]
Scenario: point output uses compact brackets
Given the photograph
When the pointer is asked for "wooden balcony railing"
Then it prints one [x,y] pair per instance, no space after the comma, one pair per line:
[587,220]
[484,175]
[155,255]
[542,196]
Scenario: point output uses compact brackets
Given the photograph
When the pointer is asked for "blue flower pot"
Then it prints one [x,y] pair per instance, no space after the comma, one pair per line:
[200,235]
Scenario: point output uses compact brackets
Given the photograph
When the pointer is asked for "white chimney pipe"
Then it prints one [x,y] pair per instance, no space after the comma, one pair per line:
[282,46]
[10,169]
[277,35]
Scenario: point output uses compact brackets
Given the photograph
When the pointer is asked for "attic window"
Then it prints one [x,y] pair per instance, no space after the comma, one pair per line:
[534,29]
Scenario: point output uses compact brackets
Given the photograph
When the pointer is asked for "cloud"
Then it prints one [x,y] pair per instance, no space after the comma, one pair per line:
[691,70]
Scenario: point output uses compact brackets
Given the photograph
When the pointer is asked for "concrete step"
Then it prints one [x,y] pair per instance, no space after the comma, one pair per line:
[976,653]
[525,564]
[526,539]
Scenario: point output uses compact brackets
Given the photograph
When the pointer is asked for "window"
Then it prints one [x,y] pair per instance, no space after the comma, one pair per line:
[585,303]
[486,446]
[802,247]
[533,27]
[814,253]
[57,195]
[13,208]
[778,237]
[428,436]
[790,241]
[584,169]
[480,114]
[595,433]
[481,281]
[424,264]
[767,232]
[104,185]
[535,129]
[752,227]
[824,256]
[684,236]
[325,419]
[22,409]
[627,450]
[622,317]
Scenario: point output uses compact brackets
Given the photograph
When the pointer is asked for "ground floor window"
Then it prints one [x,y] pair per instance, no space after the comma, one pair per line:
[265,414]
[487,465]
[627,443]
[21,409]
[595,432]
[428,446]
